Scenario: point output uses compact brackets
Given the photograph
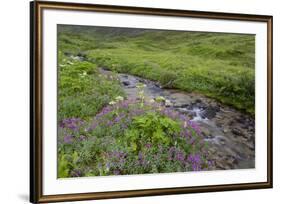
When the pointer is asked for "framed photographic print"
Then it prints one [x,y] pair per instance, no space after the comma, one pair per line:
[130,101]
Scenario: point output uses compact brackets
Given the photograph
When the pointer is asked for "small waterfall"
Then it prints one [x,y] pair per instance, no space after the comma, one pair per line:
[198,116]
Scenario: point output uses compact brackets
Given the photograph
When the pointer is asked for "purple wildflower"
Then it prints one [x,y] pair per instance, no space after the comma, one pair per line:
[195,161]
[124,104]
[76,173]
[117,119]
[195,127]
[82,138]
[179,156]
[71,123]
[148,145]
[116,172]
[183,117]
[109,123]
[185,133]
[211,163]
[104,111]
[140,158]
[171,153]
[92,127]
[68,139]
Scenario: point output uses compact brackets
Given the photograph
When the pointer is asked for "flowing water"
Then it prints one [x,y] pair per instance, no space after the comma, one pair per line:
[229,133]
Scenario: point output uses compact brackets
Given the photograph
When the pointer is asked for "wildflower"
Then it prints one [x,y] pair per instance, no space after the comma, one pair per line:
[124,104]
[141,93]
[112,102]
[141,159]
[109,123]
[159,99]
[171,153]
[116,172]
[68,139]
[148,145]
[82,137]
[195,127]
[180,156]
[183,117]
[140,85]
[119,98]
[118,119]
[76,173]
[71,123]
[124,126]
[104,111]
[195,161]
[107,166]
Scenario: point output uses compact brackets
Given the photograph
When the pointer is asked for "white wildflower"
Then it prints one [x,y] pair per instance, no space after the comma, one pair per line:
[160,98]
[112,102]
[119,98]
[140,85]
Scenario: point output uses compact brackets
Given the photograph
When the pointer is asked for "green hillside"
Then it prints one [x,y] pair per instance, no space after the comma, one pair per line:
[218,65]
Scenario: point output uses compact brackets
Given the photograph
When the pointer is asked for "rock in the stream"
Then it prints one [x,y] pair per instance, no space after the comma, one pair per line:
[251,146]
[225,130]
[182,110]
[236,131]
[126,83]
[210,112]
[240,119]
[158,85]
[231,160]
[251,128]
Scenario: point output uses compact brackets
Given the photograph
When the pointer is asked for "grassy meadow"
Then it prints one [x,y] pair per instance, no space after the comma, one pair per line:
[218,65]
[143,137]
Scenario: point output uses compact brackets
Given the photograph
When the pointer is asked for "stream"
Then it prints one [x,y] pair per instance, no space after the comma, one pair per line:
[230,134]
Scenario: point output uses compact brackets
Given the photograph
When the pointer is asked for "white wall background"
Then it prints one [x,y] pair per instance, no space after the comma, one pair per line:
[14,100]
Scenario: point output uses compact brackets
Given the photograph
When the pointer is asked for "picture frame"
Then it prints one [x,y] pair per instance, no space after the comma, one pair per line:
[40,78]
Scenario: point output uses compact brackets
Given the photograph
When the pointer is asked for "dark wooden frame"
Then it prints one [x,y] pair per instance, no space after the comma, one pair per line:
[36,101]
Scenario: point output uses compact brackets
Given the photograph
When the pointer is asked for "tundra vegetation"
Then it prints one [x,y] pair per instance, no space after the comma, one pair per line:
[102,132]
